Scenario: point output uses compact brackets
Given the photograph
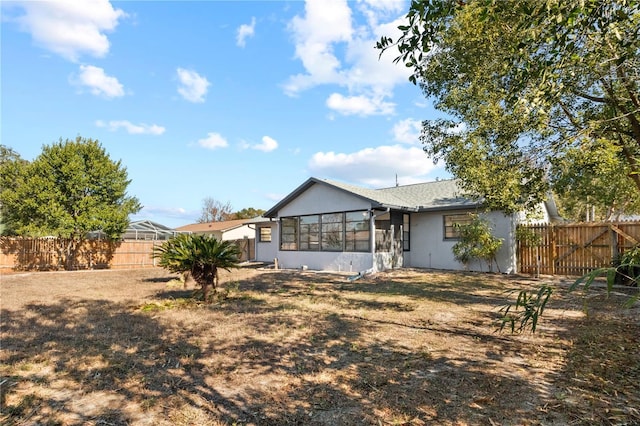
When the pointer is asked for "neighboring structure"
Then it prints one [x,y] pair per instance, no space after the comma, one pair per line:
[242,231]
[142,230]
[224,230]
[328,225]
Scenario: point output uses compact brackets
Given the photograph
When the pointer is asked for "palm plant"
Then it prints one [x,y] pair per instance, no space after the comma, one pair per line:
[199,255]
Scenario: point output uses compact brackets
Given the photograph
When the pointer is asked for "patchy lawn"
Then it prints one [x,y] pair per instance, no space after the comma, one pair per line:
[406,347]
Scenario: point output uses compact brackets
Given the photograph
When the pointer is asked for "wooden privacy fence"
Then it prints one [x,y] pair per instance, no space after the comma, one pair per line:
[573,249]
[42,254]
[26,254]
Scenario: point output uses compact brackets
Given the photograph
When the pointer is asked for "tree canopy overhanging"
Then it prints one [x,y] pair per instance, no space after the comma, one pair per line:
[532,89]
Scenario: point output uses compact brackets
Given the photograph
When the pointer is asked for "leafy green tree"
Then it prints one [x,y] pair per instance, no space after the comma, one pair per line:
[524,83]
[73,187]
[10,176]
[476,243]
[248,213]
[592,183]
[199,255]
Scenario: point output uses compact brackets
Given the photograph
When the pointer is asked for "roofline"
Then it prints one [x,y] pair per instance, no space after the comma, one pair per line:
[237,225]
[449,208]
[273,211]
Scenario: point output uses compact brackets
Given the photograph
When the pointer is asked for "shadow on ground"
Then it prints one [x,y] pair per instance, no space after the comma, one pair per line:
[277,361]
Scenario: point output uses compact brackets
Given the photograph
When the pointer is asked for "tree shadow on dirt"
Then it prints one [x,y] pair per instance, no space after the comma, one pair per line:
[600,381]
[105,357]
[97,362]
[466,288]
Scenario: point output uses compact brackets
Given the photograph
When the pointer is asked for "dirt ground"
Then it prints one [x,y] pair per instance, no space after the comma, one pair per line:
[407,347]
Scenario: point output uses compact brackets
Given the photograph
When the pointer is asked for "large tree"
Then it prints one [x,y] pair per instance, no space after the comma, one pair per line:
[529,88]
[73,187]
[10,166]
[248,213]
[215,211]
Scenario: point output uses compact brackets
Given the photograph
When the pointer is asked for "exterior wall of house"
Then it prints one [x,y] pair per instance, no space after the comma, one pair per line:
[537,217]
[429,249]
[267,251]
[238,233]
[325,261]
[319,199]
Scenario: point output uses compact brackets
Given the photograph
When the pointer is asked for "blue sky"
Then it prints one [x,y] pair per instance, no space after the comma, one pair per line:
[240,101]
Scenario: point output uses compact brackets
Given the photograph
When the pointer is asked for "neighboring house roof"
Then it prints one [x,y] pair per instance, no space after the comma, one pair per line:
[437,195]
[222,226]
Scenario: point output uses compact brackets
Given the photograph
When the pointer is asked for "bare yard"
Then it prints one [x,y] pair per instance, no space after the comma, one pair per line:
[407,347]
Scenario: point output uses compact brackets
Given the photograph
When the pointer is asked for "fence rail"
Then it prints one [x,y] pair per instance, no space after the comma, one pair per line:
[574,249]
[43,253]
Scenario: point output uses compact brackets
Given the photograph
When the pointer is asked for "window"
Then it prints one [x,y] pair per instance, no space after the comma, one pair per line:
[289,233]
[265,234]
[309,232]
[406,225]
[332,232]
[451,224]
[357,234]
[328,232]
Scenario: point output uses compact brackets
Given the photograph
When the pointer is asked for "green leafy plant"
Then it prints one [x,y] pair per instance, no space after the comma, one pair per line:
[527,310]
[476,243]
[628,270]
[628,267]
[560,110]
[72,188]
[201,256]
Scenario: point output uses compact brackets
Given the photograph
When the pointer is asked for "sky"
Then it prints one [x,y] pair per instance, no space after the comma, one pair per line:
[239,101]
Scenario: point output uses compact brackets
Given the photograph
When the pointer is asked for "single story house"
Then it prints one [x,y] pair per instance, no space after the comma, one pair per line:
[333,226]
[224,230]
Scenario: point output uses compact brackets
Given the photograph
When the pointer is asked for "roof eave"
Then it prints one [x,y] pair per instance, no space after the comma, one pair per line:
[273,211]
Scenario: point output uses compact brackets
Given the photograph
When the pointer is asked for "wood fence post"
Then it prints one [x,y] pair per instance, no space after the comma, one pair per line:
[615,250]
[553,250]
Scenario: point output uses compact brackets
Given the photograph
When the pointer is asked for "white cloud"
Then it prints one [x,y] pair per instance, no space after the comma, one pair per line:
[99,83]
[407,131]
[213,141]
[359,105]
[245,31]
[376,167]
[69,28]
[268,144]
[274,197]
[193,87]
[133,129]
[334,51]
[325,23]
[161,214]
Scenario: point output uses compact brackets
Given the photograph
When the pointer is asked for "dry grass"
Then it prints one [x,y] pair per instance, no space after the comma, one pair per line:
[288,347]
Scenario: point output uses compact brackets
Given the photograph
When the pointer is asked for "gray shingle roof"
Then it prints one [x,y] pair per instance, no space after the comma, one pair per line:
[437,195]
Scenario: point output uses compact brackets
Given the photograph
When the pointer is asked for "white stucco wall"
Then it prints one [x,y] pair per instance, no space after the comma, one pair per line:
[323,199]
[325,261]
[429,249]
[267,251]
[540,215]
[320,199]
[239,233]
